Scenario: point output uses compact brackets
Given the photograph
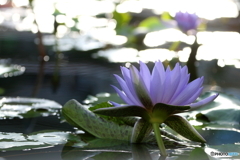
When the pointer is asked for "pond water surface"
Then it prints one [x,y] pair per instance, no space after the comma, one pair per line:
[41,135]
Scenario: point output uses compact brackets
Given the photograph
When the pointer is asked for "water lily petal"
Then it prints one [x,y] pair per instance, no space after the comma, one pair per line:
[182,84]
[114,103]
[117,104]
[204,101]
[122,95]
[140,87]
[187,92]
[145,74]
[164,86]
[184,70]
[194,97]
[126,90]
[128,80]
[186,21]
[172,82]
[157,79]
[161,70]
[126,76]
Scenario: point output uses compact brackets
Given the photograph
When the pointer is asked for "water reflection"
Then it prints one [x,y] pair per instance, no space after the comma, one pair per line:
[161,37]
[133,55]
[118,55]
[220,45]
[150,55]
[23,19]
[95,39]
[135,152]
[214,45]
[124,151]
[70,146]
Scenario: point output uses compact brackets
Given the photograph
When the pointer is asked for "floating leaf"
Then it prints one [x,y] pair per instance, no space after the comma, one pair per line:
[225,109]
[93,124]
[123,27]
[10,70]
[102,97]
[19,141]
[20,107]
[100,105]
[152,24]
[166,16]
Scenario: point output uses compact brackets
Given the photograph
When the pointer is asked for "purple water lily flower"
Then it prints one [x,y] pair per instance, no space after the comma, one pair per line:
[145,89]
[156,97]
[187,21]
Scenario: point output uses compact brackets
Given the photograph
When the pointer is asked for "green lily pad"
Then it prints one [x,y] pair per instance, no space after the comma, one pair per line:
[10,70]
[152,24]
[217,126]
[79,116]
[19,141]
[12,107]
[102,97]
[225,109]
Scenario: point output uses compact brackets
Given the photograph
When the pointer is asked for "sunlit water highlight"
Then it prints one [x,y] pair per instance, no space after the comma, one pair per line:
[98,32]
[208,9]
[222,46]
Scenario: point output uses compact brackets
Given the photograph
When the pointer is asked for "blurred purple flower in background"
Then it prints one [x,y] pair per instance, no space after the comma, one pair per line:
[187,21]
[145,89]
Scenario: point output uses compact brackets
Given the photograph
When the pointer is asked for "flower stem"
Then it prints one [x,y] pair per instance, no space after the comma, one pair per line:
[159,139]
